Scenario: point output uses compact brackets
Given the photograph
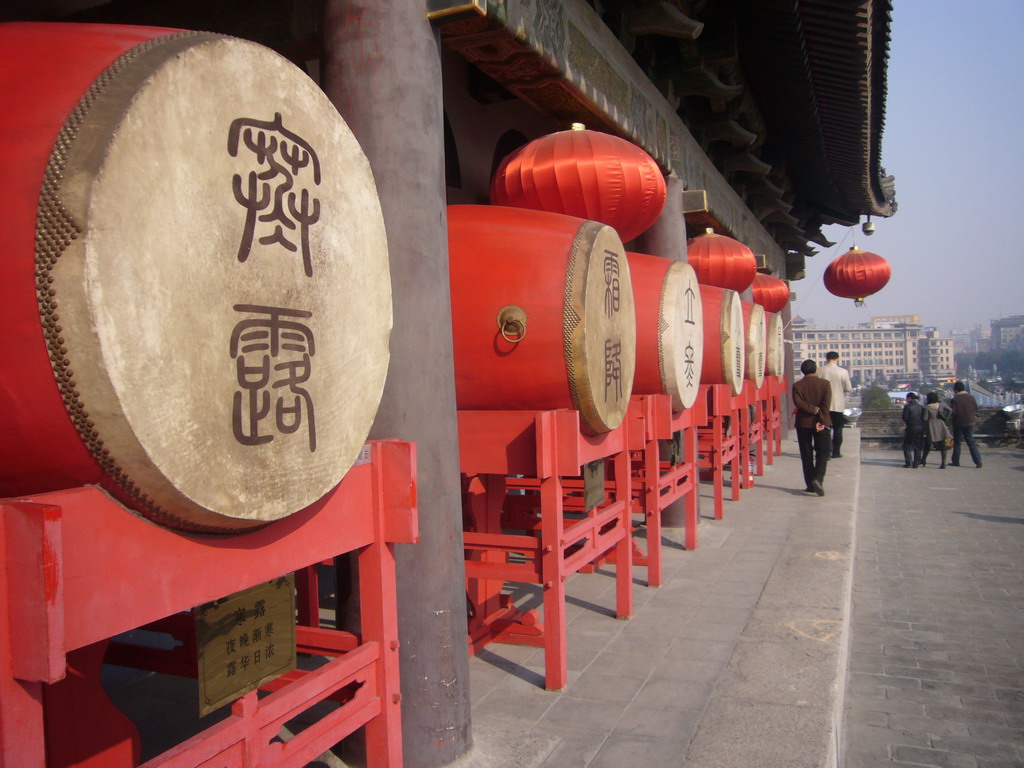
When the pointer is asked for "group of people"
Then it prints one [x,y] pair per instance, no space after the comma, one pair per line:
[820,401]
[936,425]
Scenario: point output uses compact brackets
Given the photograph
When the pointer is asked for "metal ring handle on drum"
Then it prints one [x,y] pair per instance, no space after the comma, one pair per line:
[512,323]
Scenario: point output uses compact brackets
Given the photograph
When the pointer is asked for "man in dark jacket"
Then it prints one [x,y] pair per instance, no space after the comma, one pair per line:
[812,397]
[963,419]
[914,417]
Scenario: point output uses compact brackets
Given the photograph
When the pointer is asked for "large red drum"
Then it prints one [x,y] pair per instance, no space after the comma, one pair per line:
[194,276]
[669,328]
[542,314]
[724,352]
[775,345]
[754,334]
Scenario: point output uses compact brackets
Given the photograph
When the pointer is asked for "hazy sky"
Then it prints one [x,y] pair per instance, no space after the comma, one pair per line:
[954,130]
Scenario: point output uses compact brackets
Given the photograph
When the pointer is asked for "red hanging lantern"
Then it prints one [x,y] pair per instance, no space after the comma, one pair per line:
[857,274]
[770,292]
[586,174]
[721,261]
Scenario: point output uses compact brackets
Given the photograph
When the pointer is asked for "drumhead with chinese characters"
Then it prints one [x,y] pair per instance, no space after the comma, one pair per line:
[226,309]
[754,338]
[599,327]
[681,337]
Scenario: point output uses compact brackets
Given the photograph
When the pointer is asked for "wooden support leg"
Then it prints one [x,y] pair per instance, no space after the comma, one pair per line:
[21,723]
[307,596]
[692,508]
[652,467]
[22,738]
[737,474]
[718,484]
[743,447]
[624,549]
[379,619]
[759,456]
[738,470]
[83,727]
[485,495]
[556,656]
[766,428]
[719,467]
[778,428]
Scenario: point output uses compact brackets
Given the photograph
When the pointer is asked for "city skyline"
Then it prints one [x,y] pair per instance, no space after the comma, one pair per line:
[951,142]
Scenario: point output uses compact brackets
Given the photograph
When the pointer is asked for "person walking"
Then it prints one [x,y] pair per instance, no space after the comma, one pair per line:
[964,416]
[936,430]
[914,416]
[839,379]
[812,396]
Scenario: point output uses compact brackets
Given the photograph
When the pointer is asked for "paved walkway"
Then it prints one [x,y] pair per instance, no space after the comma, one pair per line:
[740,659]
[735,661]
[937,662]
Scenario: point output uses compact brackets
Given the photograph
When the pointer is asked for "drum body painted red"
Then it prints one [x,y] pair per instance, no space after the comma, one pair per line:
[754,335]
[669,328]
[724,353]
[40,449]
[578,344]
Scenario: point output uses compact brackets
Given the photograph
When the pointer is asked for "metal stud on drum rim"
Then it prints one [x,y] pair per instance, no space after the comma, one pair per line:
[214,283]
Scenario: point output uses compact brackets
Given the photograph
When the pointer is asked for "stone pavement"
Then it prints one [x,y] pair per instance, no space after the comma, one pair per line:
[937,653]
[737,660]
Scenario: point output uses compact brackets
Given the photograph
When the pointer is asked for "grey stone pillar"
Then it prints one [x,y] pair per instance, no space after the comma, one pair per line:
[381,68]
[667,238]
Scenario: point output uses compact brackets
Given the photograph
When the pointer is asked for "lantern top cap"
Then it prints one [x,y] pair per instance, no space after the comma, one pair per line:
[579,127]
[709,231]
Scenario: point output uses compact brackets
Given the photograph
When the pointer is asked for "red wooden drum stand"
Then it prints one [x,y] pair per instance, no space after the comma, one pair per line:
[752,435]
[775,388]
[718,443]
[540,453]
[79,569]
[656,482]
[774,384]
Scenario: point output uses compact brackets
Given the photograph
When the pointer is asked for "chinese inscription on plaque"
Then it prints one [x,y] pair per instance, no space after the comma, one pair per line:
[244,640]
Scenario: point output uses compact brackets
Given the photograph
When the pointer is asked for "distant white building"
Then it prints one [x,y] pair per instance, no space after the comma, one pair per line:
[887,348]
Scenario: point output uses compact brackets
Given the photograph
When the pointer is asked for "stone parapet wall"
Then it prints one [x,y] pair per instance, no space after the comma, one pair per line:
[884,426]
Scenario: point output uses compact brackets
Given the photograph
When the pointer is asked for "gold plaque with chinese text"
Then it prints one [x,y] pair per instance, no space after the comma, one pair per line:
[244,640]
[593,484]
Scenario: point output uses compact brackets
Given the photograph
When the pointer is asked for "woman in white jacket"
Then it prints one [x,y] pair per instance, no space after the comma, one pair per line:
[935,427]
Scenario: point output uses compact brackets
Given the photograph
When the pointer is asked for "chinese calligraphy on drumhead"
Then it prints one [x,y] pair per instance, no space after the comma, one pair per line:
[277,193]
